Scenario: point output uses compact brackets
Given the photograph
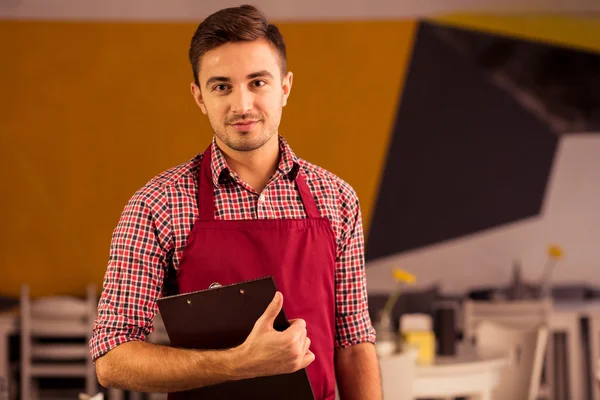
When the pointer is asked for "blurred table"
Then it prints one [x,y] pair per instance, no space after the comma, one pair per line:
[472,372]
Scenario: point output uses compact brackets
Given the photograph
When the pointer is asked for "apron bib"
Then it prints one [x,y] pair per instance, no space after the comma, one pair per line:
[298,253]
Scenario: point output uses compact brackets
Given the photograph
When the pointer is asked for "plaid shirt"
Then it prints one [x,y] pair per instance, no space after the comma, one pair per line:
[152,232]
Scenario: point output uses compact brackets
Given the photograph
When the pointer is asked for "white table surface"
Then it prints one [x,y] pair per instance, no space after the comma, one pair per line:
[472,372]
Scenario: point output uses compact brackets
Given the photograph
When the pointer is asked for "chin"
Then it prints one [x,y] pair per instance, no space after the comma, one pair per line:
[246,143]
[244,140]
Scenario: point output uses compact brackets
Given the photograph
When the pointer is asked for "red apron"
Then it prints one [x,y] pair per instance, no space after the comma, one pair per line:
[298,253]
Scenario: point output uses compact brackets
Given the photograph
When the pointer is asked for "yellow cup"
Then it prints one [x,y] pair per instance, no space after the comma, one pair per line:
[424,342]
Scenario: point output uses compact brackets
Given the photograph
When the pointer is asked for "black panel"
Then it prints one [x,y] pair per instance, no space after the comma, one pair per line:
[561,85]
[464,156]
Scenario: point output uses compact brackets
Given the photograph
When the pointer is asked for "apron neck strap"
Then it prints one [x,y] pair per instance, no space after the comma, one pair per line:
[307,199]
[206,196]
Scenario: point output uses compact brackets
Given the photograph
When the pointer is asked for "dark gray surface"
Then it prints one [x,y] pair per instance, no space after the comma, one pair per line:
[464,155]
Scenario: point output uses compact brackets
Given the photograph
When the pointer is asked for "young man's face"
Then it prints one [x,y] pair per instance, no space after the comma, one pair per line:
[243,92]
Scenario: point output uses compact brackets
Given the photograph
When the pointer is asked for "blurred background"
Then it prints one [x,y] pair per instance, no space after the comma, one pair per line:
[469,129]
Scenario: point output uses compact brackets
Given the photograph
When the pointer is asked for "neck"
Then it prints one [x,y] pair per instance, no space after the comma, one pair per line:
[254,167]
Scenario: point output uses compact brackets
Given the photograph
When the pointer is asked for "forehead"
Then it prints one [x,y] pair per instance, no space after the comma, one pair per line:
[237,60]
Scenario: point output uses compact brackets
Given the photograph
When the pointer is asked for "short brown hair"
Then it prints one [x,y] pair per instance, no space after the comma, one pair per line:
[235,24]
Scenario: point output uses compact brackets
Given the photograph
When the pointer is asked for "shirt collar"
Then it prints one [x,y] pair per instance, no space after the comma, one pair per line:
[288,163]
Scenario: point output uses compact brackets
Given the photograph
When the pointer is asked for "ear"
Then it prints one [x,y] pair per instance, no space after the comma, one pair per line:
[286,86]
[197,94]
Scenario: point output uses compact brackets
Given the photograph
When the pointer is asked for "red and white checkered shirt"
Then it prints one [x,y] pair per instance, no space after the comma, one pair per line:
[152,232]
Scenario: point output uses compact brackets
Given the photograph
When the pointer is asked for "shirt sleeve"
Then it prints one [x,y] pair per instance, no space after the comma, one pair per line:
[133,279]
[353,324]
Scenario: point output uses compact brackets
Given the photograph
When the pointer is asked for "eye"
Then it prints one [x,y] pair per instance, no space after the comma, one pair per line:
[220,88]
[258,83]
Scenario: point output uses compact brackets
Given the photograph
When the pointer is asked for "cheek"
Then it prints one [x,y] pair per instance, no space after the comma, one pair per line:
[216,111]
[270,106]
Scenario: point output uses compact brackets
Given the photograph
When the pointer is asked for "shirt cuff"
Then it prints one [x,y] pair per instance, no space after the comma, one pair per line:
[354,329]
[105,339]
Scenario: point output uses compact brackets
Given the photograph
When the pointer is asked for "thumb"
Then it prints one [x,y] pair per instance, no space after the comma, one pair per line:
[268,318]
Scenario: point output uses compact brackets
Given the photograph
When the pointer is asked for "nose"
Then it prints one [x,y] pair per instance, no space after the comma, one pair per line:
[241,101]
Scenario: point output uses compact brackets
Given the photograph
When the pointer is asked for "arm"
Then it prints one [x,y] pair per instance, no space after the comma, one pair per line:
[357,370]
[356,363]
[132,283]
[148,367]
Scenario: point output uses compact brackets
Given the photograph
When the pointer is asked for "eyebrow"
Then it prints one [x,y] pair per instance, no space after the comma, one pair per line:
[259,74]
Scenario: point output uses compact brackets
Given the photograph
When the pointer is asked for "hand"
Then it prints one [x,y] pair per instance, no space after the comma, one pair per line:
[269,352]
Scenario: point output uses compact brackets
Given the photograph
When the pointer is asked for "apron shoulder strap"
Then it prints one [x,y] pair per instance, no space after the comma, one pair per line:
[307,199]
[206,196]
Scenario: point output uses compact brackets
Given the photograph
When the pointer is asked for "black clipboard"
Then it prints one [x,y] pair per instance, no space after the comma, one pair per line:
[222,317]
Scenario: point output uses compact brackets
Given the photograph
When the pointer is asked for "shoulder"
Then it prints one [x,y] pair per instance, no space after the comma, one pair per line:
[155,190]
[323,180]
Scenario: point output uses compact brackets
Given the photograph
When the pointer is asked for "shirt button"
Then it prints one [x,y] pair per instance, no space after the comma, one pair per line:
[261,198]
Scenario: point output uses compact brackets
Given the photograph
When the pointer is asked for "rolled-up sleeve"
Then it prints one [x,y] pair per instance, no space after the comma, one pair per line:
[134,276]
[353,324]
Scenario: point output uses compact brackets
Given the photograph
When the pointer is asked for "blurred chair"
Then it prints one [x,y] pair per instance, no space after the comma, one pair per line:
[596,383]
[594,329]
[524,314]
[55,331]
[516,314]
[521,379]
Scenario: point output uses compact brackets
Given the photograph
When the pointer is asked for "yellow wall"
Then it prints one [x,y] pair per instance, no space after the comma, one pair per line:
[91,111]
[578,33]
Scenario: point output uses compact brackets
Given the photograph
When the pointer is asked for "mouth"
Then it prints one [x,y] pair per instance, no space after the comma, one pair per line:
[244,126]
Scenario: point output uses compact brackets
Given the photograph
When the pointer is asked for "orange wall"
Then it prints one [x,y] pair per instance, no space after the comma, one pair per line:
[91,111]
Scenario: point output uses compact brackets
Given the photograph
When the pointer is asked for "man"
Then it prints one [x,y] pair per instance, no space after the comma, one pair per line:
[245,208]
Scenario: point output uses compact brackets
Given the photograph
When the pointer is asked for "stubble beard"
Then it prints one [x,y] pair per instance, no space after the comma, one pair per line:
[240,141]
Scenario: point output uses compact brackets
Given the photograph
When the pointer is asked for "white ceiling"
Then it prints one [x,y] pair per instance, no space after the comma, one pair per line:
[281,10]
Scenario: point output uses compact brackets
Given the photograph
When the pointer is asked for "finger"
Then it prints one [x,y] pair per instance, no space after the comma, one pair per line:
[309,357]
[273,309]
[306,346]
[298,323]
[297,331]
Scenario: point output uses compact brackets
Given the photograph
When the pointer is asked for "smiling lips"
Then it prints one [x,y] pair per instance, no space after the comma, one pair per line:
[244,126]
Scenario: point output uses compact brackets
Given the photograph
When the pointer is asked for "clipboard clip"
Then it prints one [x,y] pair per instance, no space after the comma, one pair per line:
[215,285]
